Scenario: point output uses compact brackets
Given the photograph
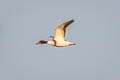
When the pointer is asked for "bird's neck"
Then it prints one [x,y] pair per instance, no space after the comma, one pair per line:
[43,42]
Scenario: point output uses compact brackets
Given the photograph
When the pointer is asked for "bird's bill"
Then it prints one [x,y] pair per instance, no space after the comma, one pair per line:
[38,43]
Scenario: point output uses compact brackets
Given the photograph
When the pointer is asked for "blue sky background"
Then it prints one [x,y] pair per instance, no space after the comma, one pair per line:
[96,31]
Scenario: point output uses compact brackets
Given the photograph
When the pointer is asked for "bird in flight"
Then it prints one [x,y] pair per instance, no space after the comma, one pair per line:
[59,39]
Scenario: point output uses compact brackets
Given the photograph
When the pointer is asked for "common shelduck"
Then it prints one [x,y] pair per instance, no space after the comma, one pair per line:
[59,38]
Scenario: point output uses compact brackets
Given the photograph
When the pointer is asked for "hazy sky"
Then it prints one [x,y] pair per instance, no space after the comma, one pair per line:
[96,31]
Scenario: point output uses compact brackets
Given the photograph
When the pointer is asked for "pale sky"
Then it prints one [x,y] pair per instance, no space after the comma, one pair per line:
[96,31]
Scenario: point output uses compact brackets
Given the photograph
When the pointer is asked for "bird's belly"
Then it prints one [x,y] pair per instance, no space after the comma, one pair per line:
[62,44]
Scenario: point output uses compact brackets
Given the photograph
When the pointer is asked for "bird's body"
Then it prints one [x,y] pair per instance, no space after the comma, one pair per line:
[59,38]
[59,43]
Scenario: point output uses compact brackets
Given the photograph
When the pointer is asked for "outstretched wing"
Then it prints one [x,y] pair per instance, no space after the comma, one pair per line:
[61,30]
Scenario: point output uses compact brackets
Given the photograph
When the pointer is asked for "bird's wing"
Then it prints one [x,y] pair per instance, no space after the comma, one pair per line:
[61,30]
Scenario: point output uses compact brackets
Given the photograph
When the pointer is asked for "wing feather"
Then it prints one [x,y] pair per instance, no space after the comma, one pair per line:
[61,30]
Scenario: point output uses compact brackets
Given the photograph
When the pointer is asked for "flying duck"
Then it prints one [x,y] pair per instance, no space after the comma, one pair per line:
[59,38]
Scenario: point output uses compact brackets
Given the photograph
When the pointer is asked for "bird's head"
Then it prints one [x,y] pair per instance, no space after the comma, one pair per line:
[41,42]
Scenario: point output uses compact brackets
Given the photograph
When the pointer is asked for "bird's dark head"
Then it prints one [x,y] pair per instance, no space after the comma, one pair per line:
[41,42]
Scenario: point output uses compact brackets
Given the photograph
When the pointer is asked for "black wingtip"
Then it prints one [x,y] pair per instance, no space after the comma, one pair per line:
[73,20]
